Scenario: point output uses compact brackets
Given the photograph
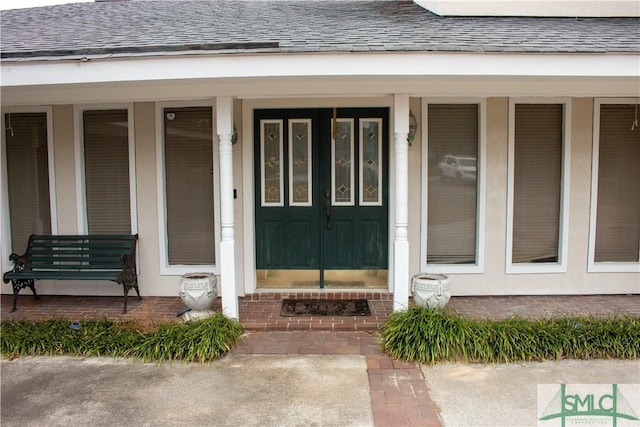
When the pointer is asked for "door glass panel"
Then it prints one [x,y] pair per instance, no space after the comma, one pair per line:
[299,162]
[370,164]
[342,175]
[271,159]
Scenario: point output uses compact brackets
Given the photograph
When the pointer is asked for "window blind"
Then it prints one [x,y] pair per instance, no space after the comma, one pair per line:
[188,139]
[618,204]
[452,190]
[537,182]
[28,176]
[106,167]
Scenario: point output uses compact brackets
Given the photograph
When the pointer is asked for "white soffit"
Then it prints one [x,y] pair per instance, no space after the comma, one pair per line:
[548,8]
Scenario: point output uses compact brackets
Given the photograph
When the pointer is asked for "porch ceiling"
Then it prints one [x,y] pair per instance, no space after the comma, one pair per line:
[319,88]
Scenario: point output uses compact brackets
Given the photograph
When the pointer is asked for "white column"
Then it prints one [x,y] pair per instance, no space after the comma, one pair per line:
[224,115]
[400,242]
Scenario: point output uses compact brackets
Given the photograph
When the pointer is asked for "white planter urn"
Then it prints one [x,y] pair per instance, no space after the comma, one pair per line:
[198,291]
[431,290]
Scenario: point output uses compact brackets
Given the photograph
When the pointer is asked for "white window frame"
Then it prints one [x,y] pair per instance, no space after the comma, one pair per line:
[361,163]
[351,202]
[563,233]
[478,267]
[167,269]
[263,188]
[5,218]
[310,163]
[81,189]
[592,266]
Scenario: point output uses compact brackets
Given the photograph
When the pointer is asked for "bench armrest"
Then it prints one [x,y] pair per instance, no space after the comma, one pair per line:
[20,263]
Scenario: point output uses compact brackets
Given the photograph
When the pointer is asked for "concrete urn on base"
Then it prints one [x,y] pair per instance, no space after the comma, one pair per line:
[431,290]
[198,291]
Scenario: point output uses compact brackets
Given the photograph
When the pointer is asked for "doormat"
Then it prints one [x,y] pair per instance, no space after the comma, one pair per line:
[323,307]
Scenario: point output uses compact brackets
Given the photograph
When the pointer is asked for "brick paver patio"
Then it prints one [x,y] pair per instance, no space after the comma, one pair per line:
[399,394]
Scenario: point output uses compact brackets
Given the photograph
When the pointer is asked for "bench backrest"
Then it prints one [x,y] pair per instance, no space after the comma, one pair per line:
[87,252]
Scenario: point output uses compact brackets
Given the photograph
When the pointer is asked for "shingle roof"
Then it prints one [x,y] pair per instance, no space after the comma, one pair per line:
[147,26]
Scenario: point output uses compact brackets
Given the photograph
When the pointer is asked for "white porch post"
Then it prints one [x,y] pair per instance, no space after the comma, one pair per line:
[400,242]
[224,115]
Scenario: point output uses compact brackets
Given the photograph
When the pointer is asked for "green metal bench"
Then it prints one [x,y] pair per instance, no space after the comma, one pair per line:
[89,257]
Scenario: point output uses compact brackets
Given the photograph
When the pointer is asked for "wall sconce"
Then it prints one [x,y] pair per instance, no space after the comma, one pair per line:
[413,127]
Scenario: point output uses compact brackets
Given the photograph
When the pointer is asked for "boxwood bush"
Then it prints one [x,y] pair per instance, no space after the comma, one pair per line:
[195,341]
[429,336]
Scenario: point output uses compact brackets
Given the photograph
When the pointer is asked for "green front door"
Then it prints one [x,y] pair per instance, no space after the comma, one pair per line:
[321,197]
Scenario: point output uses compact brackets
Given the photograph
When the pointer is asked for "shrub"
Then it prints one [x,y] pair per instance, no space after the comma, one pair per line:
[428,336]
[200,341]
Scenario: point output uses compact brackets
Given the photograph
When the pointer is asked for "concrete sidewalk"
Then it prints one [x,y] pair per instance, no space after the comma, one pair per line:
[507,394]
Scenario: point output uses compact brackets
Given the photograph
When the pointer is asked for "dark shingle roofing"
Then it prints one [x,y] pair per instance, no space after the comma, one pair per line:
[144,26]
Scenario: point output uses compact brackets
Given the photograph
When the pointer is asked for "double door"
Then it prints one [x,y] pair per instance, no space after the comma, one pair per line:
[321,186]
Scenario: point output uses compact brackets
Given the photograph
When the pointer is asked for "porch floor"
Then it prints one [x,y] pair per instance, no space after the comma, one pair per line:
[261,311]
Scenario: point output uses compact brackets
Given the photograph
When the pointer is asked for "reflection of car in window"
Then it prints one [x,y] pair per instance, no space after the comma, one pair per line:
[458,167]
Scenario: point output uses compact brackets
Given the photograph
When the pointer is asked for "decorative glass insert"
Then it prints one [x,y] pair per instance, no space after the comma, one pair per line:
[271,160]
[300,162]
[370,162]
[342,170]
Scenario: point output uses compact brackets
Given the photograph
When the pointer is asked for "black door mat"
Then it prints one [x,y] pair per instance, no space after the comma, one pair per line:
[323,307]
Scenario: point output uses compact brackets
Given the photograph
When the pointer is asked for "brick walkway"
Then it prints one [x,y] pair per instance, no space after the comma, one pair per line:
[399,394]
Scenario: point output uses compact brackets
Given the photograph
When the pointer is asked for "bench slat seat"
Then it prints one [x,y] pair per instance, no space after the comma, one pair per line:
[65,274]
[71,257]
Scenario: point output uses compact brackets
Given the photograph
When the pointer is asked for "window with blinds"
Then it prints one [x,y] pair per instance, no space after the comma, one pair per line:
[537,183]
[452,187]
[28,176]
[188,158]
[618,199]
[106,168]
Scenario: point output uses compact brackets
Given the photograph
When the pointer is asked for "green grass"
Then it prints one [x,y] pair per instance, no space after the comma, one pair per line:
[430,336]
[196,341]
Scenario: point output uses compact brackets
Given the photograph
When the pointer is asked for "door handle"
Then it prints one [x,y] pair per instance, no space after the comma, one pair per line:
[327,208]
